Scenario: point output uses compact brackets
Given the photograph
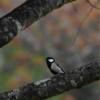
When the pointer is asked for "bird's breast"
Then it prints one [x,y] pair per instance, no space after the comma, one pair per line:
[56,68]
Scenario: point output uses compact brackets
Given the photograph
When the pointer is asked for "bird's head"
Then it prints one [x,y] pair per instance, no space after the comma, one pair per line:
[50,59]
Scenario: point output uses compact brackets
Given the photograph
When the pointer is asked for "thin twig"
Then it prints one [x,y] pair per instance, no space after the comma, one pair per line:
[82,23]
[93,5]
[74,7]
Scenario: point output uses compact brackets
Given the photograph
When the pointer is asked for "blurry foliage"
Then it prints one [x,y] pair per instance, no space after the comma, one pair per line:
[22,61]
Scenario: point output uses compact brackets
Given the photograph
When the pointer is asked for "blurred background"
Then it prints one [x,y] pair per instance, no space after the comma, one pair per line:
[65,34]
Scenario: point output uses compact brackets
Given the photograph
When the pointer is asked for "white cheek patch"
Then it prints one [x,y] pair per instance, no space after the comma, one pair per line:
[51,60]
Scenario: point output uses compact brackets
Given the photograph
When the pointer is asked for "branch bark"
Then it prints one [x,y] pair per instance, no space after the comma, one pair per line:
[56,85]
[24,15]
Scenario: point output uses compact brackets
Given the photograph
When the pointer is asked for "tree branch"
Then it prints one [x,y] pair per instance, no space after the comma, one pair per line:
[56,85]
[24,15]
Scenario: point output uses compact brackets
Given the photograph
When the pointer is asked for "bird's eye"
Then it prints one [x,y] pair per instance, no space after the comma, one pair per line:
[51,60]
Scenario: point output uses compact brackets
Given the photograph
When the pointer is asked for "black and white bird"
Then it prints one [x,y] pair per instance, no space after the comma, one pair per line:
[54,67]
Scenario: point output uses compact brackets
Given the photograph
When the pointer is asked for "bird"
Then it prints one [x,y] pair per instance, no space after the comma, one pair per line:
[54,67]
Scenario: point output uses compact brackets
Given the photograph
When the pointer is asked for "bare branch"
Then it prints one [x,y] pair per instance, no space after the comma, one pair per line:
[24,15]
[74,7]
[82,23]
[56,85]
[93,5]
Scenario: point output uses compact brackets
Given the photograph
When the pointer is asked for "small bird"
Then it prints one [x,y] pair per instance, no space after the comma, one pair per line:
[54,67]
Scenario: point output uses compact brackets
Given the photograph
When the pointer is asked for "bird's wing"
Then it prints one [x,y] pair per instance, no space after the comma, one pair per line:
[59,66]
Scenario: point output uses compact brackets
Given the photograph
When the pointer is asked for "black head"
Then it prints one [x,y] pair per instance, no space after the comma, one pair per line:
[49,61]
